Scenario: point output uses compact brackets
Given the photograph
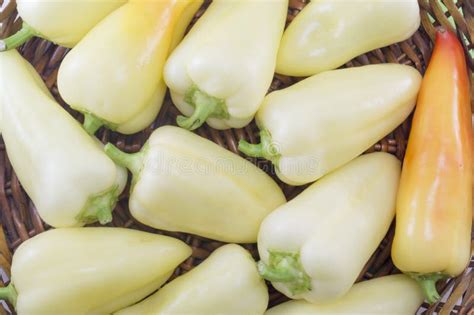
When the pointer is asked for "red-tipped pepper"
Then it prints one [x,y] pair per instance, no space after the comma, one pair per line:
[434,206]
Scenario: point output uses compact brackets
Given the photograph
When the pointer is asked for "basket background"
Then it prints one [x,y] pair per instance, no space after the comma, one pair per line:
[20,221]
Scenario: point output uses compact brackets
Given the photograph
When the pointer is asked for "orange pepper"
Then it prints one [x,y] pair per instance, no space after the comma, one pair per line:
[434,205]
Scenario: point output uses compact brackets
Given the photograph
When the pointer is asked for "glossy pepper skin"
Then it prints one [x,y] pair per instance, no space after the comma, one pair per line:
[90,271]
[315,246]
[222,69]
[390,295]
[183,182]
[63,22]
[65,172]
[329,33]
[114,75]
[225,283]
[317,125]
[434,206]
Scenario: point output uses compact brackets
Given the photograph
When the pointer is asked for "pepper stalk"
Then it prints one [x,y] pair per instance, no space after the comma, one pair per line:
[285,267]
[19,38]
[9,294]
[205,106]
[99,208]
[266,149]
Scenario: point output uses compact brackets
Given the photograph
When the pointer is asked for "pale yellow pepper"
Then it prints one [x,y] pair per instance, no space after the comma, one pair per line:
[315,246]
[63,22]
[318,124]
[226,283]
[329,33]
[223,68]
[114,75]
[183,182]
[65,172]
[90,271]
[390,295]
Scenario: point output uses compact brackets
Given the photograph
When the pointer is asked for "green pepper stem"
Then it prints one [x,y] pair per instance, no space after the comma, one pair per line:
[285,268]
[19,38]
[205,106]
[274,275]
[92,123]
[429,289]
[9,294]
[265,149]
[132,161]
[201,113]
[99,207]
[427,283]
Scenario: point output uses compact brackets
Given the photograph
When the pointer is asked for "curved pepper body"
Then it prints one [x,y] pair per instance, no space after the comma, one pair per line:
[186,183]
[325,121]
[64,171]
[147,115]
[315,246]
[329,33]
[91,271]
[115,72]
[225,283]
[434,206]
[390,295]
[226,61]
[63,22]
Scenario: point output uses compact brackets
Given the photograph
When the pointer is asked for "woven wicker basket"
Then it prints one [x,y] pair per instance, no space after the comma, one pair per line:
[20,221]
